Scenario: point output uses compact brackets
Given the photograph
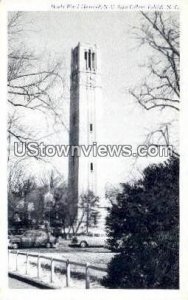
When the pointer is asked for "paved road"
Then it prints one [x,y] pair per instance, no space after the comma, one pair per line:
[94,256]
[17,284]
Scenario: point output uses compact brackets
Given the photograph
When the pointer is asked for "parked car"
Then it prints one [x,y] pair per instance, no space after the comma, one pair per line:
[14,231]
[91,239]
[32,238]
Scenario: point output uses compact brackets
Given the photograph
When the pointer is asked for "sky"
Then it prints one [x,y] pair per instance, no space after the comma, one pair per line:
[52,36]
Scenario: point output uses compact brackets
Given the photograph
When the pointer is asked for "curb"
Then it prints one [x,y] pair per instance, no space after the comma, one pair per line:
[32,281]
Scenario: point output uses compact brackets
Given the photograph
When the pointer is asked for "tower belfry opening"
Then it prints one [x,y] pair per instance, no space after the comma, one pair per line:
[90,60]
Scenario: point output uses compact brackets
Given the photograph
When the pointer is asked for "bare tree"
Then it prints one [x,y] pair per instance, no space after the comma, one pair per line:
[161,89]
[111,192]
[31,84]
[19,186]
[159,33]
[89,210]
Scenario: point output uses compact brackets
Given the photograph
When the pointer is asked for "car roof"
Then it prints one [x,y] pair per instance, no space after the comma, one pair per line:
[97,231]
[94,232]
[34,231]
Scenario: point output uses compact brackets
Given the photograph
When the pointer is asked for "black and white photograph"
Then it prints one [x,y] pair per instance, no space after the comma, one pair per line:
[93,149]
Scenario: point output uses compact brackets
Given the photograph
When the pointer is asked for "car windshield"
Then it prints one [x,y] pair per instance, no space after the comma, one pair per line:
[96,234]
[40,233]
[29,233]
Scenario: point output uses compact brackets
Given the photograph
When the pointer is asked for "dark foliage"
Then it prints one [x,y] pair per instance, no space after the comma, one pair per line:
[143,227]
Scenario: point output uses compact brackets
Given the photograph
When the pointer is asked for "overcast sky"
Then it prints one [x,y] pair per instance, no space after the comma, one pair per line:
[53,35]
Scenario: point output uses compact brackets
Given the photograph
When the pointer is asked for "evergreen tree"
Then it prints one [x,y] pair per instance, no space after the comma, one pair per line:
[143,227]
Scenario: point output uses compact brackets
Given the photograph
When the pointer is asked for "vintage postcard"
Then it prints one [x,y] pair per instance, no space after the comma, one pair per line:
[92,144]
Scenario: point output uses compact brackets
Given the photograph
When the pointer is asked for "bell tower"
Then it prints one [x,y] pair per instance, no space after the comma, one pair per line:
[85,98]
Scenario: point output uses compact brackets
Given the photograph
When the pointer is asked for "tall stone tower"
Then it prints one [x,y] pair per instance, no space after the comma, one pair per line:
[85,98]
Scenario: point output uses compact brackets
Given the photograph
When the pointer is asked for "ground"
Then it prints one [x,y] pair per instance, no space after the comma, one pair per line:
[16,284]
[93,256]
